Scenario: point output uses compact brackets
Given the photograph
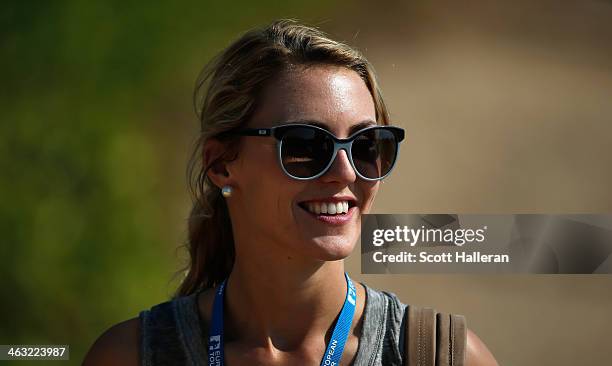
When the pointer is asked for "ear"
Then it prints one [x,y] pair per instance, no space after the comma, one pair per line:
[214,152]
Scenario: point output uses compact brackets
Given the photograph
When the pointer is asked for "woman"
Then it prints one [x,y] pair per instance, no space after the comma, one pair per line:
[295,141]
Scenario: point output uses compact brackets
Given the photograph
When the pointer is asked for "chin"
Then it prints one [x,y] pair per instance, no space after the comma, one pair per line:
[332,248]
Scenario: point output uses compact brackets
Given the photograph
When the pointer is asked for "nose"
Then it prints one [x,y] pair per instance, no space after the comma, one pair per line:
[341,169]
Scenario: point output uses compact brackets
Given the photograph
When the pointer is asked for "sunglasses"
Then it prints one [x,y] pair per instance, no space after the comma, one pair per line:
[307,151]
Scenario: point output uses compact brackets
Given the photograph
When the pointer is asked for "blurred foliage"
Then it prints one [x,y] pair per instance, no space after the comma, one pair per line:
[87,88]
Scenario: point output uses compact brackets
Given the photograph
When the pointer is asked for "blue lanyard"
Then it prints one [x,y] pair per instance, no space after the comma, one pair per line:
[333,353]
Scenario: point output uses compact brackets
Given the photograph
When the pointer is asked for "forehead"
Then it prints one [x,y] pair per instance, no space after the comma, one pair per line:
[335,97]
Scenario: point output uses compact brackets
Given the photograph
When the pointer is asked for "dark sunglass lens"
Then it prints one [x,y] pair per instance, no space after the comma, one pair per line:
[374,152]
[305,151]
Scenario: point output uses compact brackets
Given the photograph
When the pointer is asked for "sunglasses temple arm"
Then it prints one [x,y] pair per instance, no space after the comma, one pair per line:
[254,132]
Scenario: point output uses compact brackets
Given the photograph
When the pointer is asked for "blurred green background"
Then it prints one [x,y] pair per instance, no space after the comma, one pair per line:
[506,106]
[97,125]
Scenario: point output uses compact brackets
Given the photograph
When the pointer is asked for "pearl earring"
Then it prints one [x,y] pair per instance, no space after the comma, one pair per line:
[226,191]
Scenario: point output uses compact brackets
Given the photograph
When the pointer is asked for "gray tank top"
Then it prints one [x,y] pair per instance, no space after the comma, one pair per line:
[172,333]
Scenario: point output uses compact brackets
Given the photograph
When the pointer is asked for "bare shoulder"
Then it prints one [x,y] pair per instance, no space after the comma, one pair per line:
[118,345]
[477,352]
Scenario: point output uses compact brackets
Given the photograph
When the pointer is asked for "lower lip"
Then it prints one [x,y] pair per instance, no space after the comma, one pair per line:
[336,220]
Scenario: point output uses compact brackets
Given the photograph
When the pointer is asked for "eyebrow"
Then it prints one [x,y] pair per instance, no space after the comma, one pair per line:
[354,128]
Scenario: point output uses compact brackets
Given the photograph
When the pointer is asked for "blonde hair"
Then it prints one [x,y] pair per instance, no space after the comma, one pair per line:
[225,97]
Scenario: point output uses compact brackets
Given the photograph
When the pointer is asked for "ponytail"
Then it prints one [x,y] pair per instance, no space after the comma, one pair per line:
[210,244]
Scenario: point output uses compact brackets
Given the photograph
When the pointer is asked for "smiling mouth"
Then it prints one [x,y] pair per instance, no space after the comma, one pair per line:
[337,208]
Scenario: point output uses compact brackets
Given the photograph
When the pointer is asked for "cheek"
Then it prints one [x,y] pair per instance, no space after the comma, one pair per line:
[257,164]
[369,193]
[268,190]
[271,206]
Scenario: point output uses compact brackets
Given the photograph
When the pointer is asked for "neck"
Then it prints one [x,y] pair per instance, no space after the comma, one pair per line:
[276,302]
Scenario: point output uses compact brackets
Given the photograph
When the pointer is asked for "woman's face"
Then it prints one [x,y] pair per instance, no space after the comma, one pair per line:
[267,206]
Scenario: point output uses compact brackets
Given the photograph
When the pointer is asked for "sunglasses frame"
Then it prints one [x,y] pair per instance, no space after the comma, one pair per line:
[278,132]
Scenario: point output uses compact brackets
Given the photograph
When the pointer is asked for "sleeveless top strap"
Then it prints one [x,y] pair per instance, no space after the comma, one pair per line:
[379,343]
[160,339]
[170,333]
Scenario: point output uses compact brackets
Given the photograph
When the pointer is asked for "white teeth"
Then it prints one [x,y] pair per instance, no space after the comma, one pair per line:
[330,208]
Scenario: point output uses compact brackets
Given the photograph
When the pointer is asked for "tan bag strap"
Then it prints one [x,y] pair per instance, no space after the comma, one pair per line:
[434,339]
